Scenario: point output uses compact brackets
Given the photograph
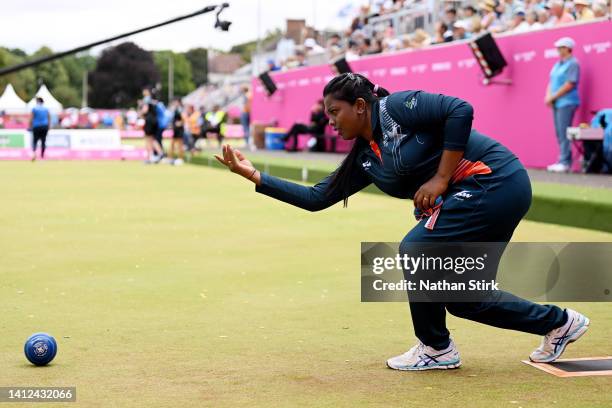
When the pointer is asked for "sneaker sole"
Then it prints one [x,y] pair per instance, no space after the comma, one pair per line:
[434,367]
[579,332]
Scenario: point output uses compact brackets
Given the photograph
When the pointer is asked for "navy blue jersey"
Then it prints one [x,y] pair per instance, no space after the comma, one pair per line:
[411,130]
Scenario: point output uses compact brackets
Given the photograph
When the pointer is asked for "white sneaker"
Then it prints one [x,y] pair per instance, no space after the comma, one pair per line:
[178,162]
[422,357]
[558,168]
[554,343]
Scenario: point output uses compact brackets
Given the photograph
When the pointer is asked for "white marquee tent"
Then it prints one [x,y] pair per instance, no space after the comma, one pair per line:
[11,103]
[50,102]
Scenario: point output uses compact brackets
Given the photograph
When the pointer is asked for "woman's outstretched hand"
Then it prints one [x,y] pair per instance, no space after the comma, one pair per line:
[234,160]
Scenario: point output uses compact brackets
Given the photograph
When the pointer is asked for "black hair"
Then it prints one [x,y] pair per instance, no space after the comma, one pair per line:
[349,87]
[40,100]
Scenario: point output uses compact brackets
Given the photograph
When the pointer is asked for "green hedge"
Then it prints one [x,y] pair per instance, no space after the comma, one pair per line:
[564,207]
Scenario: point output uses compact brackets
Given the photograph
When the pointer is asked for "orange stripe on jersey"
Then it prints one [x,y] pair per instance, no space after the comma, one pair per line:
[376,150]
[467,168]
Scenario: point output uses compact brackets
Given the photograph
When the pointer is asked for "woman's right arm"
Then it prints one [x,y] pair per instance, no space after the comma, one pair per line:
[315,198]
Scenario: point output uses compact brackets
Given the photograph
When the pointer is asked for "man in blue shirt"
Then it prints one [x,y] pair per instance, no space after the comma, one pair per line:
[39,123]
[562,96]
[162,123]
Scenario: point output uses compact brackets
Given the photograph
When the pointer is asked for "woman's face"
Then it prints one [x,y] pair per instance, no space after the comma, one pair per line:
[348,119]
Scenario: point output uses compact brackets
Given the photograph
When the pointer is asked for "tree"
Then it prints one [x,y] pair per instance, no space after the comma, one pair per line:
[120,75]
[182,73]
[53,73]
[198,58]
[23,81]
[67,95]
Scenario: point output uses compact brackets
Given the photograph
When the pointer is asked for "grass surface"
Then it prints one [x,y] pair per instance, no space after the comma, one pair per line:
[180,286]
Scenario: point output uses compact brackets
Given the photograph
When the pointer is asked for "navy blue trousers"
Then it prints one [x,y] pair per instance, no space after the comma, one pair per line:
[491,213]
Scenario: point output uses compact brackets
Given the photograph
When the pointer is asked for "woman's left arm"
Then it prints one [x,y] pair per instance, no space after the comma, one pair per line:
[426,195]
[454,116]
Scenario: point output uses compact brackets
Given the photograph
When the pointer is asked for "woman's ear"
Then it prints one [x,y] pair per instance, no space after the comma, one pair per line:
[360,106]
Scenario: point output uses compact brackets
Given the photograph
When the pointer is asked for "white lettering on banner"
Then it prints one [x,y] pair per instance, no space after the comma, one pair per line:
[259,89]
[365,73]
[599,47]
[421,68]
[304,82]
[399,71]
[525,56]
[466,63]
[551,53]
[441,66]
[317,80]
[381,72]
[328,78]
[292,83]
[281,85]
[96,139]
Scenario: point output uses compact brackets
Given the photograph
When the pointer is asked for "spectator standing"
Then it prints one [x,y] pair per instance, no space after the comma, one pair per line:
[40,121]
[562,96]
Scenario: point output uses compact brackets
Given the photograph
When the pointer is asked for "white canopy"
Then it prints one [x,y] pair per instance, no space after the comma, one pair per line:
[50,102]
[10,102]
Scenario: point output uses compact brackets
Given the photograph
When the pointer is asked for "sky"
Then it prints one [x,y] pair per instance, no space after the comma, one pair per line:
[66,24]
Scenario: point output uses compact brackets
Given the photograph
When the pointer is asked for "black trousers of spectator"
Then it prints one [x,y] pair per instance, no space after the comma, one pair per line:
[302,129]
[40,133]
[216,130]
[159,136]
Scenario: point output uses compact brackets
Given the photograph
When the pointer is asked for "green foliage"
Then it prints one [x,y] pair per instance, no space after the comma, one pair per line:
[23,81]
[120,75]
[183,83]
[198,58]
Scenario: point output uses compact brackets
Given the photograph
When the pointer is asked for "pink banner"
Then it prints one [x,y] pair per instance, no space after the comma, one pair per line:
[515,114]
[67,154]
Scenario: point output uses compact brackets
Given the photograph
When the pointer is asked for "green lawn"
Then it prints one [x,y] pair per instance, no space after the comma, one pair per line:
[180,286]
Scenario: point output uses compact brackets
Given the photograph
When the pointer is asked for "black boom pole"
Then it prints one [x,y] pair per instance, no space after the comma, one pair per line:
[14,68]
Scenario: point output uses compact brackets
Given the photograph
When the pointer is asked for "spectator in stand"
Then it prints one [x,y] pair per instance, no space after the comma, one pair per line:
[519,23]
[419,39]
[532,20]
[272,65]
[334,47]
[352,54]
[559,13]
[450,16]
[489,17]
[562,96]
[471,16]
[459,30]
[365,45]
[390,42]
[376,47]
[441,33]
[312,48]
[544,18]
[583,12]
[601,9]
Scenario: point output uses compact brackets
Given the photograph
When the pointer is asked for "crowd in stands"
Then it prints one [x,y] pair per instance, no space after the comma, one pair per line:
[455,21]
